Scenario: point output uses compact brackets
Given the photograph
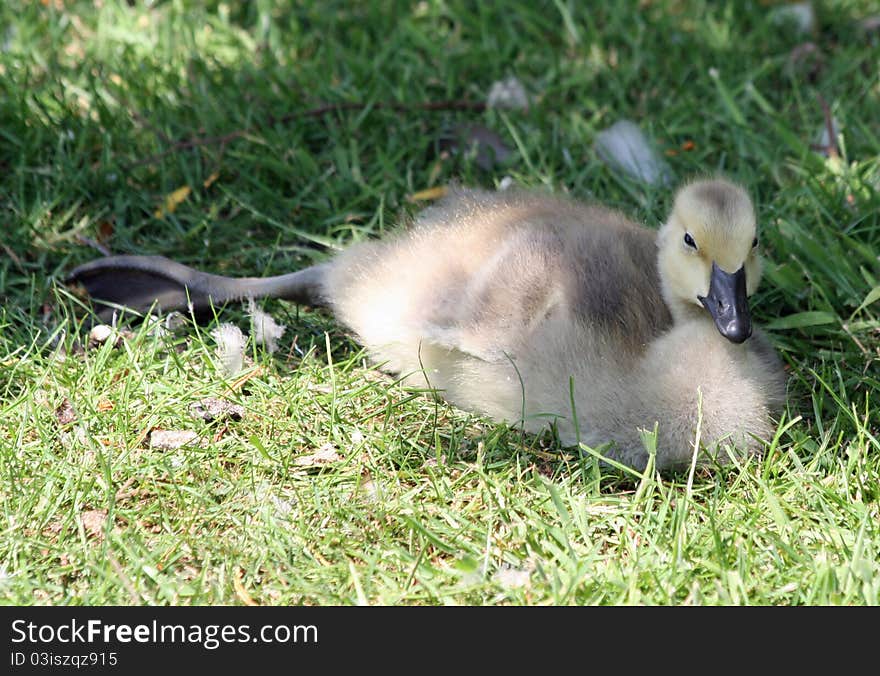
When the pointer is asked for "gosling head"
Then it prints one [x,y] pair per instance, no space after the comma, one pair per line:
[708,258]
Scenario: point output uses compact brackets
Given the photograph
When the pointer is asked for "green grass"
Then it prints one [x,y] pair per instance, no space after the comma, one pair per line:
[427,504]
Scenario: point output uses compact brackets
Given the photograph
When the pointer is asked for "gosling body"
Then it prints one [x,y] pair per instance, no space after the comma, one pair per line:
[536,309]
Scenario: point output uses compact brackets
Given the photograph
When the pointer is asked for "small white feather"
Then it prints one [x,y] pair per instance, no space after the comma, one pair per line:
[174,321]
[800,17]
[511,578]
[624,147]
[266,330]
[509,94]
[100,334]
[506,183]
[230,348]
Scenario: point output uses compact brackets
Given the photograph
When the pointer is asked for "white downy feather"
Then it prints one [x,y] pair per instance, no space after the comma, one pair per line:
[230,348]
[624,147]
[266,330]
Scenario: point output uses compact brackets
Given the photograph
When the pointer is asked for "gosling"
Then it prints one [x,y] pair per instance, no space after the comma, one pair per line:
[536,310]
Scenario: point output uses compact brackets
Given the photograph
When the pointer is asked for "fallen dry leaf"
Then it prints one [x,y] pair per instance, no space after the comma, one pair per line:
[211,409]
[65,413]
[220,433]
[169,440]
[326,454]
[172,201]
[105,231]
[429,194]
[208,182]
[93,522]
[240,591]
[105,405]
[51,530]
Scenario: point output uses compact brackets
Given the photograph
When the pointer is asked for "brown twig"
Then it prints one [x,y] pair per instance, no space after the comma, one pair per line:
[122,493]
[145,122]
[237,384]
[15,259]
[854,339]
[477,106]
[97,246]
[225,139]
[222,141]
[240,591]
[136,599]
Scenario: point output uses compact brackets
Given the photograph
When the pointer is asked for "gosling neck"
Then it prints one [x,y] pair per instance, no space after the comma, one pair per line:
[681,310]
[684,312]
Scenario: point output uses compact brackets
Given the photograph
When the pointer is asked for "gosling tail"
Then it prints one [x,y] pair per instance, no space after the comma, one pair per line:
[142,283]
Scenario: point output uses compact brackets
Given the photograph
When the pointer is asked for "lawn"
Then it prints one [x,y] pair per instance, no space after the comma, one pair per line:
[256,138]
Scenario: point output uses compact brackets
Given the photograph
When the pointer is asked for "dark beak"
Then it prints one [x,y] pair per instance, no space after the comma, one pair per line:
[728,304]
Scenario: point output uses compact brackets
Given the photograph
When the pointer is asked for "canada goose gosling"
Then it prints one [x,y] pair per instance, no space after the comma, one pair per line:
[504,298]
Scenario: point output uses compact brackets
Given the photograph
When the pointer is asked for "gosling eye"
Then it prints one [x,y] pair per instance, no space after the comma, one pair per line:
[689,240]
[754,242]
